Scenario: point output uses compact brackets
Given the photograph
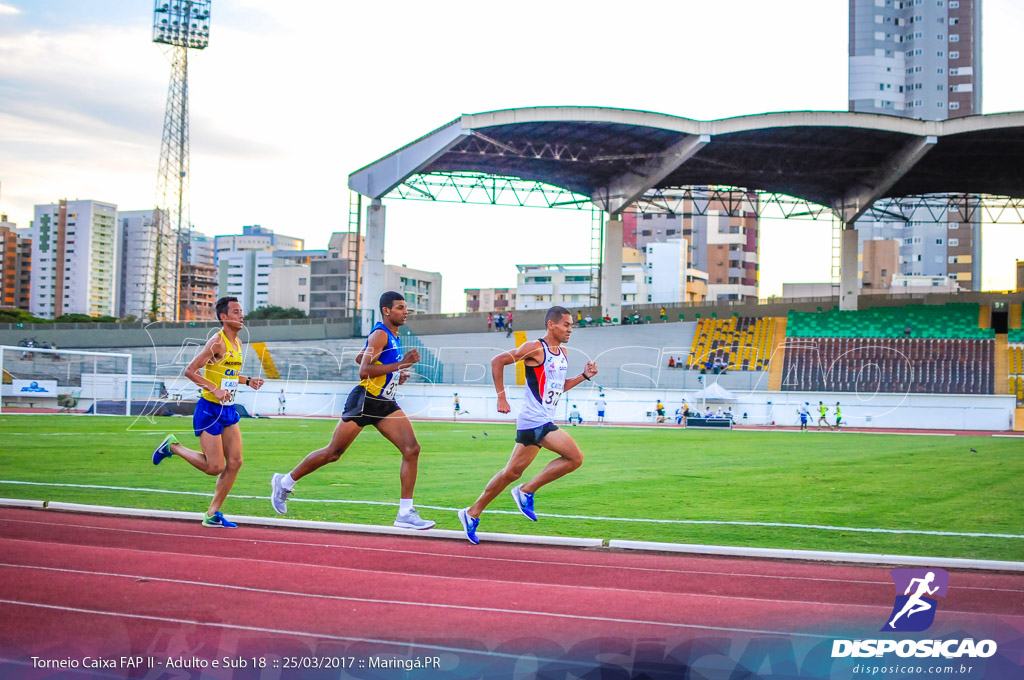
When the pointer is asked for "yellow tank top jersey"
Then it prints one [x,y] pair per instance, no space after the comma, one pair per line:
[224,373]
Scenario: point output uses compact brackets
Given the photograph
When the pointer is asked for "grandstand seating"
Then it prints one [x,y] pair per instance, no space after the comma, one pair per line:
[742,343]
[1015,335]
[912,365]
[953,320]
[1015,370]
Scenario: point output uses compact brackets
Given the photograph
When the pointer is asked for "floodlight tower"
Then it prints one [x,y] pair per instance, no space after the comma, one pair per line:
[181,25]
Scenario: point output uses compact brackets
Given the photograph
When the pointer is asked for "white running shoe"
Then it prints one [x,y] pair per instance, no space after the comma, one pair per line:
[412,520]
[279,494]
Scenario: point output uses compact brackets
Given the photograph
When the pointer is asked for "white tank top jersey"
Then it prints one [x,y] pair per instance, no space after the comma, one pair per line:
[544,385]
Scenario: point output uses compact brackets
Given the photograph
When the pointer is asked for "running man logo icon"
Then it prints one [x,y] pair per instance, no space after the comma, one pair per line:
[914,609]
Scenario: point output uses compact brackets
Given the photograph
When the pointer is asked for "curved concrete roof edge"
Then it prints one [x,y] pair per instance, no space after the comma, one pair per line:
[381,176]
[758,121]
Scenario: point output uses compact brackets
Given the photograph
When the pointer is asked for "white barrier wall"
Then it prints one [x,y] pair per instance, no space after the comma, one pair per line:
[918,411]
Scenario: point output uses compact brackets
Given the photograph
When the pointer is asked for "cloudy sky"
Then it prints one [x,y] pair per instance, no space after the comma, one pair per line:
[291,97]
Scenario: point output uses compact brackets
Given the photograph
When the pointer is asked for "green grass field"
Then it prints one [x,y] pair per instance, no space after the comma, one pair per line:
[923,483]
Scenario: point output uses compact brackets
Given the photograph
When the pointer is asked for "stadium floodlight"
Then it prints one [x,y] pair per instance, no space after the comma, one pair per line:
[182,25]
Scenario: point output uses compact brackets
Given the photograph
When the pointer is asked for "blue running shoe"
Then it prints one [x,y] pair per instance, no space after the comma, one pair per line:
[469,524]
[218,520]
[164,450]
[524,501]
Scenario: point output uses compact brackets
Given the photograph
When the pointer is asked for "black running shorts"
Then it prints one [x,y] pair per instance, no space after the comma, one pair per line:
[533,436]
[365,409]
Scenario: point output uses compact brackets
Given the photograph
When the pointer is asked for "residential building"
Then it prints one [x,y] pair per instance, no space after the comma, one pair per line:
[724,246]
[330,271]
[920,59]
[75,252]
[660,278]
[793,291]
[879,259]
[199,283]
[421,289]
[540,286]
[256,238]
[328,292]
[490,299]
[201,250]
[290,284]
[923,284]
[146,275]
[15,265]
[245,274]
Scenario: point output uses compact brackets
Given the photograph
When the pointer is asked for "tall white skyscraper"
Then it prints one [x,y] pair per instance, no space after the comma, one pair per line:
[75,256]
[146,280]
[919,59]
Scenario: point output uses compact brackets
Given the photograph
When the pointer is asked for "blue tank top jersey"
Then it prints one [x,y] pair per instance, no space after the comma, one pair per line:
[386,385]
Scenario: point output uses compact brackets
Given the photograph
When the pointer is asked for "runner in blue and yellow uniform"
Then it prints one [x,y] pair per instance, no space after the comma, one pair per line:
[215,420]
[372,402]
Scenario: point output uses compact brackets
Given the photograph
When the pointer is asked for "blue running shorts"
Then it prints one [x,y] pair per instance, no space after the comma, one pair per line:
[213,418]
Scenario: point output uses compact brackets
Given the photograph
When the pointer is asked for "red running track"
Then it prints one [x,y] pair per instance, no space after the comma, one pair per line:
[83,584]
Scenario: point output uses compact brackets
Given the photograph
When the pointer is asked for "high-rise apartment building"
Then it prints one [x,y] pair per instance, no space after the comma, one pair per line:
[920,59]
[15,265]
[146,280]
[75,257]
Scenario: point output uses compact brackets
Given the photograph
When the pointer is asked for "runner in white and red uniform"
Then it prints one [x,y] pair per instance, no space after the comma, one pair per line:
[546,370]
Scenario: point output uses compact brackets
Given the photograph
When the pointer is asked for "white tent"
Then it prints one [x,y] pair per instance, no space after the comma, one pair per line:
[714,392]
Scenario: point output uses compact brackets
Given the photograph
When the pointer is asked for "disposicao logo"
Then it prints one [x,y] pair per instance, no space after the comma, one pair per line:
[914,611]
[915,605]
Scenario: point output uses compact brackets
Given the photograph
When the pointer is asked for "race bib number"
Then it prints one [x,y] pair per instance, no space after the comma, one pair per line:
[391,388]
[552,396]
[231,385]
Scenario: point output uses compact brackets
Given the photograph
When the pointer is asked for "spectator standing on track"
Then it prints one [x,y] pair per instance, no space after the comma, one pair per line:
[508,325]
[805,416]
[499,323]
[490,320]
[601,404]
[280,403]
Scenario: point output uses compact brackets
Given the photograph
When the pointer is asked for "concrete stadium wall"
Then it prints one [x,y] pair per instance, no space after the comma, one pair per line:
[959,412]
[88,336]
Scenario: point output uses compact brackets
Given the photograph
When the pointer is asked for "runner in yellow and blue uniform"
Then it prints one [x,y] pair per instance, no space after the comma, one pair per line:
[215,420]
[372,402]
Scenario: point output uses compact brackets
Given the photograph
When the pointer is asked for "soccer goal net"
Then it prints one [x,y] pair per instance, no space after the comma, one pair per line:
[45,380]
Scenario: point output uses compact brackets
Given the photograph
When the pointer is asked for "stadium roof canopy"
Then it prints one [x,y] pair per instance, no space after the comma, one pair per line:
[843,161]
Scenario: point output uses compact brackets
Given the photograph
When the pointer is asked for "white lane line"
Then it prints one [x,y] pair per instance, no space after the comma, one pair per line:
[419,553]
[631,591]
[439,605]
[275,631]
[642,520]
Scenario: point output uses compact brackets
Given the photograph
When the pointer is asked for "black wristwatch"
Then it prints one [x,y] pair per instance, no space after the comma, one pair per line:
[584,374]
[247,381]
